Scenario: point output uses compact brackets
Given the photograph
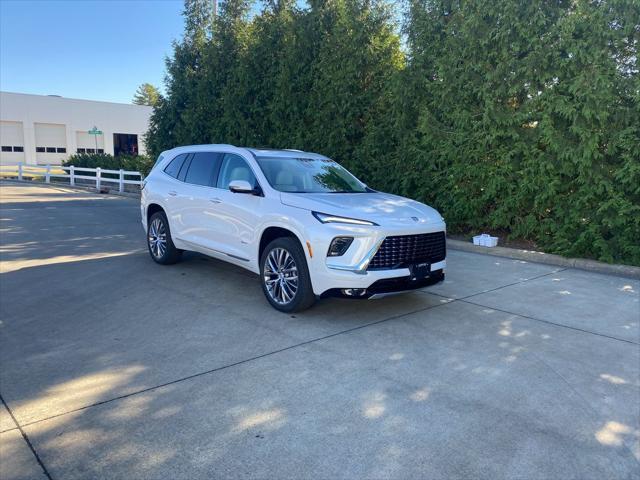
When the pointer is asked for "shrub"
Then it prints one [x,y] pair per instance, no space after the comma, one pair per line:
[138,163]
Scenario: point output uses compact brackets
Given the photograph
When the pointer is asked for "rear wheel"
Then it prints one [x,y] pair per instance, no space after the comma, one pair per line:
[285,276]
[161,247]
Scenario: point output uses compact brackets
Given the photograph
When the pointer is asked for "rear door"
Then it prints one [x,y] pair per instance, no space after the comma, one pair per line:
[172,192]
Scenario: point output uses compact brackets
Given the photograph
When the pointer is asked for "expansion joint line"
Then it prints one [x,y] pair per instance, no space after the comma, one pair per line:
[241,362]
[26,439]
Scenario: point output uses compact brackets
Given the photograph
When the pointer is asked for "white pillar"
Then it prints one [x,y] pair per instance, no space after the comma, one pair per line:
[29,142]
[108,142]
[72,143]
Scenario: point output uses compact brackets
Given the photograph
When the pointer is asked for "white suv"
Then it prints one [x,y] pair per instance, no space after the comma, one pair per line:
[307,226]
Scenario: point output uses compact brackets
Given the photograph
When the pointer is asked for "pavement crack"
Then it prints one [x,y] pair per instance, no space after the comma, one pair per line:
[26,439]
[235,364]
[549,322]
[466,298]
[514,283]
[495,289]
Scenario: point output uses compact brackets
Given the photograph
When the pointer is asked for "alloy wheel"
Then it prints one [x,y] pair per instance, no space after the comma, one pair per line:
[157,238]
[281,276]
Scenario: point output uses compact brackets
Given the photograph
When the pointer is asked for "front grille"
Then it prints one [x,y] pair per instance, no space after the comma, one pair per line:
[403,250]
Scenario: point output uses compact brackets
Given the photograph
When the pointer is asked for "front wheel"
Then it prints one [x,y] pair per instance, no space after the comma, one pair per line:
[285,276]
[161,247]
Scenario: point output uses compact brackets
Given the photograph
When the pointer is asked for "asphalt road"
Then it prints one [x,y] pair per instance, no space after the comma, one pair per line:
[115,367]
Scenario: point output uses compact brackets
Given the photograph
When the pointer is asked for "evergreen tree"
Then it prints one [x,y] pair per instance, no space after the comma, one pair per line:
[175,120]
[146,94]
[358,52]
[520,117]
[525,117]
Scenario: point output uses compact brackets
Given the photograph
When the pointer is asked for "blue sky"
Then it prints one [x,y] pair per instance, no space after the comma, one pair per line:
[91,49]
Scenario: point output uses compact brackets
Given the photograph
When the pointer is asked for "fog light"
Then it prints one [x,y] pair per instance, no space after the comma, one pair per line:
[354,292]
[339,246]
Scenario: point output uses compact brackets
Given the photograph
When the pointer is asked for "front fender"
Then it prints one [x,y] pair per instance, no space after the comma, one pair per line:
[285,223]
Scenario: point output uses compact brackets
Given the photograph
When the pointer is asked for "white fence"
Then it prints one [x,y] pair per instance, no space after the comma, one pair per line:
[75,175]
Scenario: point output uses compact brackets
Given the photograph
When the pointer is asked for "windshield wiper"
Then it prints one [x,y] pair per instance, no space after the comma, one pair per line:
[312,191]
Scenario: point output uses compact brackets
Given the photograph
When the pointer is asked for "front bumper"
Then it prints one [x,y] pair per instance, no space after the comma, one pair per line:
[350,270]
[388,286]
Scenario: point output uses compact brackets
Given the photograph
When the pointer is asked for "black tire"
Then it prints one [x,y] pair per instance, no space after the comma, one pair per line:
[167,254]
[303,297]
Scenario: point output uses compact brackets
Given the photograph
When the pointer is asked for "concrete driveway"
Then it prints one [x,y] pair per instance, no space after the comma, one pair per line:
[115,367]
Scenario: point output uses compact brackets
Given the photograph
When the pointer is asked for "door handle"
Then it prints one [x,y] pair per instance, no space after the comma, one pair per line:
[173,193]
[215,200]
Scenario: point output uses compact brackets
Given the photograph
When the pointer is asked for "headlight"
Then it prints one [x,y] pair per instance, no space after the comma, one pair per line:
[325,218]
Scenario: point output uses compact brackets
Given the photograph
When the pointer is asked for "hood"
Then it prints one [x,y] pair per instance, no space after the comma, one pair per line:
[381,208]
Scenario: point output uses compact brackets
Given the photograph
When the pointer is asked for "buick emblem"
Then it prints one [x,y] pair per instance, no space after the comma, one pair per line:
[415,219]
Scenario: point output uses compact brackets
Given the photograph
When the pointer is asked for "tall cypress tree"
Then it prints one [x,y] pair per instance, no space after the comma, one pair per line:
[358,53]
[526,113]
[521,117]
[175,120]
[590,133]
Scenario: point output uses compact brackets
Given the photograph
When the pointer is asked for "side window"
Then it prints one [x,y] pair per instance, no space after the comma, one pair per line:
[185,167]
[203,168]
[174,165]
[235,167]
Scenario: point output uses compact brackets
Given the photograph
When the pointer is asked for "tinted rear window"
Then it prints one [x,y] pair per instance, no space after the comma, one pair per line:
[203,168]
[174,165]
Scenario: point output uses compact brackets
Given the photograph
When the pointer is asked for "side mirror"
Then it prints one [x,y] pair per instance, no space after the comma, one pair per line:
[241,186]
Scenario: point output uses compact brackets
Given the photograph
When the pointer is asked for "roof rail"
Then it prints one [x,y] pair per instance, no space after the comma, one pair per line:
[205,145]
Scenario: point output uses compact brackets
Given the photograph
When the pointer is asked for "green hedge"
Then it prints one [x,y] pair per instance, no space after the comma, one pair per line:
[138,163]
[508,116]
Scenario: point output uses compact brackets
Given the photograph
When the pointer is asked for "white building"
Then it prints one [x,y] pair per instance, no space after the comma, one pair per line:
[40,129]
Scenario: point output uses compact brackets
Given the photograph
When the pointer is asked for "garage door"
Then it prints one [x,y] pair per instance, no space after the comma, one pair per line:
[51,143]
[12,141]
[87,143]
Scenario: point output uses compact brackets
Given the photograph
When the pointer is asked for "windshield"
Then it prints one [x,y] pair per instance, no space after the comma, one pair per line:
[308,175]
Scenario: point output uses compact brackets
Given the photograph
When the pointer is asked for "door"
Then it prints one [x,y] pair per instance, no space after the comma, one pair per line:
[125,144]
[238,213]
[196,215]
[171,190]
